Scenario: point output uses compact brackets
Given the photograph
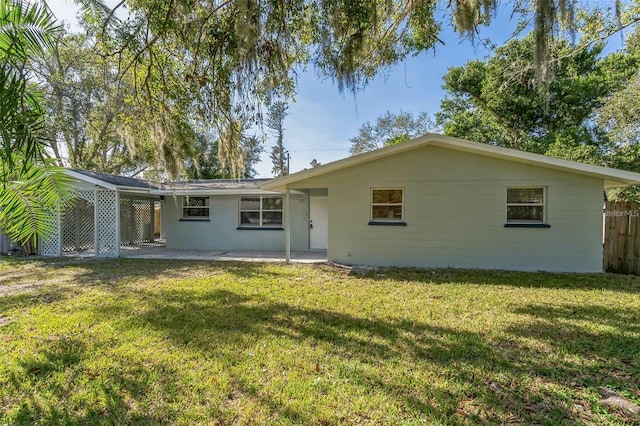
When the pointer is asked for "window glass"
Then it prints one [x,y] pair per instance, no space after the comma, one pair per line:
[525,213]
[387,212]
[195,207]
[272,218]
[525,195]
[272,203]
[250,218]
[525,205]
[250,203]
[261,211]
[387,204]
[387,195]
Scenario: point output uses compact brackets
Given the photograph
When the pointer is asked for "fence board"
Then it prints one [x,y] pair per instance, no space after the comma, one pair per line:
[622,237]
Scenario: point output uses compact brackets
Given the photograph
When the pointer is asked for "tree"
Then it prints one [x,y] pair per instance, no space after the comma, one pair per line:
[620,112]
[206,164]
[391,129]
[86,106]
[222,61]
[496,101]
[30,190]
[275,121]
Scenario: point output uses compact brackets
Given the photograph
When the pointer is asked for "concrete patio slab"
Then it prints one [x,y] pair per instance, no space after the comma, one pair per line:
[242,256]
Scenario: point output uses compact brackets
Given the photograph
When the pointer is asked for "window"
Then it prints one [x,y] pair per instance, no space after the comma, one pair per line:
[387,205]
[261,211]
[195,207]
[525,205]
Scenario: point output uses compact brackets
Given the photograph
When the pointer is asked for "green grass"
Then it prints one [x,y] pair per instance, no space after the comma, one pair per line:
[151,342]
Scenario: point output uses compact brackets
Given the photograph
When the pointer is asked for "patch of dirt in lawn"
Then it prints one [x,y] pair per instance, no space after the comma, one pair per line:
[12,290]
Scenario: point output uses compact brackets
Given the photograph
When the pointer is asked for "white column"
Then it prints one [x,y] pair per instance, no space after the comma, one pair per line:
[96,225]
[152,231]
[117,218]
[287,224]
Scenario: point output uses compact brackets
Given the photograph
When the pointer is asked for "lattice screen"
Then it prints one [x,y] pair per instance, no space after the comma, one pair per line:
[106,214]
[77,225]
[51,246]
[136,221]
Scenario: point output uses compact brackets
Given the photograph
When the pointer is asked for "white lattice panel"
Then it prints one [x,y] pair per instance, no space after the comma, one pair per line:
[136,221]
[51,246]
[107,238]
[77,225]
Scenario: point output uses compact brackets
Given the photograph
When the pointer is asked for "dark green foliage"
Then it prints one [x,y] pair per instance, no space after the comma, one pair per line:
[276,115]
[30,190]
[498,101]
[206,165]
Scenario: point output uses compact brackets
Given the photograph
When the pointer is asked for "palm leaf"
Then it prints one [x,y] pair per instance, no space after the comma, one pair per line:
[30,201]
[25,29]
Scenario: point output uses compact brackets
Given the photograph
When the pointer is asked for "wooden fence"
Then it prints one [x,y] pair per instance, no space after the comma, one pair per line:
[622,237]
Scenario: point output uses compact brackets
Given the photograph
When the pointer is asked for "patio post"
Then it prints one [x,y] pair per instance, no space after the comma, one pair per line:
[287,224]
[117,219]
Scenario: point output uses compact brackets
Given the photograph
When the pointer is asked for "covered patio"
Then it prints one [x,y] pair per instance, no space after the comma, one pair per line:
[106,214]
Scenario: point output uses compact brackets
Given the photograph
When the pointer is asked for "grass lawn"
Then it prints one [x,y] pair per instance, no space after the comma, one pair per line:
[153,342]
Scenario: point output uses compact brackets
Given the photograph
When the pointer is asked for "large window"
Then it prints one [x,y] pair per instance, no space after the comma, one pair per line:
[261,211]
[387,204]
[526,205]
[195,207]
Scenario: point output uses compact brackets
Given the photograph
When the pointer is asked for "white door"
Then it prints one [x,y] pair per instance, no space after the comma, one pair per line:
[318,223]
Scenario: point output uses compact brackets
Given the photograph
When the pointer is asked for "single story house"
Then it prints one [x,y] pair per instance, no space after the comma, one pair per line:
[435,201]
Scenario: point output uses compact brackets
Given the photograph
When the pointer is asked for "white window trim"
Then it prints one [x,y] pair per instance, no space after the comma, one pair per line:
[372,204]
[259,225]
[207,207]
[543,205]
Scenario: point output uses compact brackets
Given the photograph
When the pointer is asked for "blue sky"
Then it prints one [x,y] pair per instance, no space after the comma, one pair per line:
[321,121]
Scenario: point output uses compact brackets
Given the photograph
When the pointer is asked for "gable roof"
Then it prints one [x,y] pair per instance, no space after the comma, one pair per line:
[612,177]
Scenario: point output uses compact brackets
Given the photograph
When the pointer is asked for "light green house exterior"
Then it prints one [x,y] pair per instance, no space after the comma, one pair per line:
[221,230]
[454,207]
[435,201]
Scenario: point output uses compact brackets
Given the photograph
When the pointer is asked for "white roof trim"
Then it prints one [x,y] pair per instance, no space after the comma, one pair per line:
[88,179]
[612,177]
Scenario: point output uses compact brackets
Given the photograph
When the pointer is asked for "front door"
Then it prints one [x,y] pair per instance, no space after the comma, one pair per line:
[318,223]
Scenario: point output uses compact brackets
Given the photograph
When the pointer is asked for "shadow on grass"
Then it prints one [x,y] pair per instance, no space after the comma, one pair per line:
[470,360]
[615,347]
[50,374]
[225,325]
[571,281]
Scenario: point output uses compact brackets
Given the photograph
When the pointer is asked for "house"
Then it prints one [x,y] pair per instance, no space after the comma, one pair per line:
[438,201]
[113,213]
[434,201]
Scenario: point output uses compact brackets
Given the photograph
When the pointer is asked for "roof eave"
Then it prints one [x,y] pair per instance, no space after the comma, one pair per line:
[88,179]
[217,191]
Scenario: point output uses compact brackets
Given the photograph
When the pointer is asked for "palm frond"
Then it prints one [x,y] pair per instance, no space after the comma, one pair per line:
[25,29]
[21,127]
[30,201]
